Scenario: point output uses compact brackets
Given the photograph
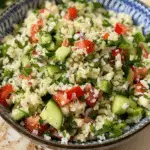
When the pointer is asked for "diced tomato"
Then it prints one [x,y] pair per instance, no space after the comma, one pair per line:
[61,98]
[32,123]
[67,17]
[120,28]
[35,29]
[40,23]
[115,52]
[90,95]
[41,11]
[139,72]
[74,93]
[66,43]
[22,76]
[64,97]
[88,45]
[5,92]
[106,35]
[140,88]
[145,52]
[35,52]
[33,39]
[72,12]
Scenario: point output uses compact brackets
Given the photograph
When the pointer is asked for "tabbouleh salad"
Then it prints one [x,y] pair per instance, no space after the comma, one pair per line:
[76,72]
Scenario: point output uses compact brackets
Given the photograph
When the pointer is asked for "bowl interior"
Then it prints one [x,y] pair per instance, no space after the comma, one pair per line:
[16,12]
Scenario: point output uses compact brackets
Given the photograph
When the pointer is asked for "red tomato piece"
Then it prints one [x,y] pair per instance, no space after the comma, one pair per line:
[32,123]
[120,28]
[88,45]
[22,76]
[139,72]
[35,52]
[115,52]
[61,98]
[5,92]
[33,39]
[34,29]
[66,43]
[90,95]
[67,17]
[145,52]
[72,12]
[64,97]
[106,35]
[139,88]
[74,93]
[40,23]
[41,11]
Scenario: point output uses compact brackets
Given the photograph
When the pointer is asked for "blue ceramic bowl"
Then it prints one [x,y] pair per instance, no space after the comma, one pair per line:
[16,12]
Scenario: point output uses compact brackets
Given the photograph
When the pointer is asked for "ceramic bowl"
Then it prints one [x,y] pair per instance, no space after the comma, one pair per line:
[17,12]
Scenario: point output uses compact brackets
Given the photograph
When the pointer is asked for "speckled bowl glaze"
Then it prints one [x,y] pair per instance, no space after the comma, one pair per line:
[16,13]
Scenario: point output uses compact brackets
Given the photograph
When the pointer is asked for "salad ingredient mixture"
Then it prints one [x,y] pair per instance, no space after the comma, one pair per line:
[76,72]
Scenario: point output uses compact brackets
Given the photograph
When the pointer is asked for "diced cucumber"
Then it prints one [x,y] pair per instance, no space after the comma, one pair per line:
[130,76]
[62,52]
[58,39]
[45,38]
[51,47]
[58,26]
[135,112]
[119,101]
[90,6]
[52,114]
[139,37]
[52,70]
[18,114]
[105,86]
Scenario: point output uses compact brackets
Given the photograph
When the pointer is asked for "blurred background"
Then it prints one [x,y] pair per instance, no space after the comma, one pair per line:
[4,4]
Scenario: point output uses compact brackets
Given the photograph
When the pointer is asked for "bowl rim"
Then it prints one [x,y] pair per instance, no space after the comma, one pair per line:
[5,114]
[56,144]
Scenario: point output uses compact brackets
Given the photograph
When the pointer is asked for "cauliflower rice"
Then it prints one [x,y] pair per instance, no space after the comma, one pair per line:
[76,72]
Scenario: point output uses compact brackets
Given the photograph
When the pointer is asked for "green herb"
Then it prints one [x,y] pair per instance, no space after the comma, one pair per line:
[19,44]
[3,49]
[92,128]
[148,38]
[70,124]
[93,114]
[98,5]
[50,54]
[139,37]
[26,71]
[106,23]
[106,14]
[41,121]
[7,73]
[36,11]
[114,129]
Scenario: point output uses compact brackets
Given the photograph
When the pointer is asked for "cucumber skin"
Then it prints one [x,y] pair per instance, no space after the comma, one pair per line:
[52,70]
[52,114]
[130,77]
[118,102]
[105,86]
[18,114]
